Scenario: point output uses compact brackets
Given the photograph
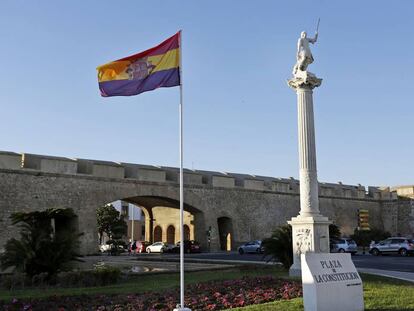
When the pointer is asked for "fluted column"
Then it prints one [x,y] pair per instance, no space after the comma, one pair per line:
[309,204]
[310,230]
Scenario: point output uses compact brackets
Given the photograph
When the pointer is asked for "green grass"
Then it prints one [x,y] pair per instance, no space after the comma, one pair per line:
[142,283]
[284,305]
[380,293]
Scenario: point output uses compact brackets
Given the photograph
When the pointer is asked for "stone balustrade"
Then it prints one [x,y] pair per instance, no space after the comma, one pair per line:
[160,174]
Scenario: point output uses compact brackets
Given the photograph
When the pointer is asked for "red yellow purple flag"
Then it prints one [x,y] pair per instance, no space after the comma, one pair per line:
[142,72]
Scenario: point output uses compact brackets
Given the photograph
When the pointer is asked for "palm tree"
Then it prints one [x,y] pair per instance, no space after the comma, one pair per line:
[279,246]
[41,248]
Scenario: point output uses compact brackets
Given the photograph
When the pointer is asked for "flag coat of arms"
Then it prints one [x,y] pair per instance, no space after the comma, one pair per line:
[142,72]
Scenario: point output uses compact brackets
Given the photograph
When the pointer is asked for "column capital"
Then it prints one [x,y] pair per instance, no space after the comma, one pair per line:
[304,80]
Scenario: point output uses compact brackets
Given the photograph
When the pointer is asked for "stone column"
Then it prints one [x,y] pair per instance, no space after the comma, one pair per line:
[149,224]
[310,230]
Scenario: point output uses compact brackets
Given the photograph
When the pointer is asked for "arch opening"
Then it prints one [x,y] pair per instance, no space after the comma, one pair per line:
[156,219]
[164,212]
[187,235]
[157,234]
[171,234]
[225,227]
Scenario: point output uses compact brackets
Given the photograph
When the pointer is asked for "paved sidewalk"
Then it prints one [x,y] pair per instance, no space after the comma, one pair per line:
[406,276]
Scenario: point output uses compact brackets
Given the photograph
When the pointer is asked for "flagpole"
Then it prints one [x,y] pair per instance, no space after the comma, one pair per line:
[181,306]
[132,225]
[181,180]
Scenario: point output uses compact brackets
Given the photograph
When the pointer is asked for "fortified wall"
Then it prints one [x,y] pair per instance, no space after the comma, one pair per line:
[238,207]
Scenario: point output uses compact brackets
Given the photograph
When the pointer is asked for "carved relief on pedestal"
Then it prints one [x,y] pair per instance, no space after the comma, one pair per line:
[303,241]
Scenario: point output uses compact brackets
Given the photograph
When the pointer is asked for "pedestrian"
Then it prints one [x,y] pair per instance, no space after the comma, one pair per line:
[129,247]
[134,247]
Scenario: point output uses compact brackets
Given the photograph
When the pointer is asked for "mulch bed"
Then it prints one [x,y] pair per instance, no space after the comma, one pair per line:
[213,295]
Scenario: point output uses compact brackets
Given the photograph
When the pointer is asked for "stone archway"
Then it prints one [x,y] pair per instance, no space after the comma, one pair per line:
[157,234]
[171,234]
[225,227]
[164,212]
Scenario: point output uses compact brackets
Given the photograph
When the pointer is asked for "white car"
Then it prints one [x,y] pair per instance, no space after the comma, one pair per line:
[157,247]
[104,247]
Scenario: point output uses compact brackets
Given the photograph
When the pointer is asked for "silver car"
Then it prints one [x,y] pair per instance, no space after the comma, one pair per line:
[251,247]
[344,245]
[397,245]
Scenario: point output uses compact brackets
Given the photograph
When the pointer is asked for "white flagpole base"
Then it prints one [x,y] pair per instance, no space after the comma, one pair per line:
[182,309]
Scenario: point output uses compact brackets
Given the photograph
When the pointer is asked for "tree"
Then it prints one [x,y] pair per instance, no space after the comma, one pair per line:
[364,237]
[42,248]
[334,232]
[279,246]
[110,222]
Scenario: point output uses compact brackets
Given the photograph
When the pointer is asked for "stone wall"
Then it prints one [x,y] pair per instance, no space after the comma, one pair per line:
[255,205]
[398,217]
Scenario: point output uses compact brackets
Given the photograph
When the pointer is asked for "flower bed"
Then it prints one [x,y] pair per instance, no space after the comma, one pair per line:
[214,295]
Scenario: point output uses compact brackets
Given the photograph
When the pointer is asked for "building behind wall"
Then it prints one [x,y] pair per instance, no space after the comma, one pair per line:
[139,231]
[404,191]
[132,214]
[167,225]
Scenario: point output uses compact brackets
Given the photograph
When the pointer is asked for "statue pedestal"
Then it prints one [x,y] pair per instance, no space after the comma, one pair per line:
[309,234]
[310,230]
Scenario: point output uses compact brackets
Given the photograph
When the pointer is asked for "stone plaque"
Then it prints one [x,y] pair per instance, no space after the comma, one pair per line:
[331,282]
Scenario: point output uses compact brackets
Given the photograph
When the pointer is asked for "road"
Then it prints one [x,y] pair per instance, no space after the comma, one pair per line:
[390,262]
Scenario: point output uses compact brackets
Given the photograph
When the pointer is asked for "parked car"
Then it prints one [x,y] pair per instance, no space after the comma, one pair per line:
[157,247]
[104,247]
[108,248]
[169,248]
[190,246]
[397,245]
[251,247]
[343,245]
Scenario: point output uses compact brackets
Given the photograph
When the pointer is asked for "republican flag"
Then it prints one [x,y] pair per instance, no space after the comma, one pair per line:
[142,72]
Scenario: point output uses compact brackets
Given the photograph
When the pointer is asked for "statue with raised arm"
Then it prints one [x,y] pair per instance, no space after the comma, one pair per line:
[304,55]
[301,76]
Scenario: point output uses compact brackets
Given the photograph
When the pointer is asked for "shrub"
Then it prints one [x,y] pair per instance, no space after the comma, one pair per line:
[13,281]
[41,249]
[107,275]
[40,280]
[334,232]
[101,276]
[364,237]
[279,246]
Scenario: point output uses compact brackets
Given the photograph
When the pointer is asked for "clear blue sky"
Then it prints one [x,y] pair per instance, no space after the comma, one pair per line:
[240,116]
